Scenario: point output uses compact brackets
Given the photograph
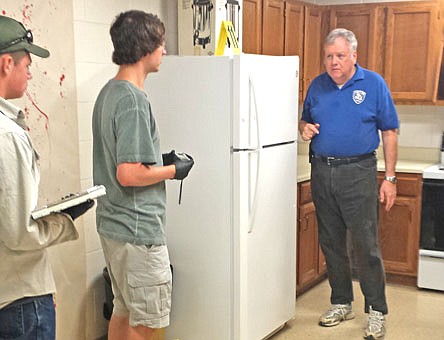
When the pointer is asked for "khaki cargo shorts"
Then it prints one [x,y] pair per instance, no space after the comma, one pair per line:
[141,282]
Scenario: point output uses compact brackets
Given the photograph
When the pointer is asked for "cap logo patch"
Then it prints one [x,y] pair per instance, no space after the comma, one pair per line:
[358,96]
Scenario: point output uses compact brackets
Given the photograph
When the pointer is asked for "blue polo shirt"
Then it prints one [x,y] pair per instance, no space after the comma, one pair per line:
[351,116]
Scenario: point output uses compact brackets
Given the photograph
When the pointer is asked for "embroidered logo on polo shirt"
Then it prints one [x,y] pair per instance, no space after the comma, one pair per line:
[358,96]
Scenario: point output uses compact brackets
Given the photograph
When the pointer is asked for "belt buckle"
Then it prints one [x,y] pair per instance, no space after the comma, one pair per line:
[329,160]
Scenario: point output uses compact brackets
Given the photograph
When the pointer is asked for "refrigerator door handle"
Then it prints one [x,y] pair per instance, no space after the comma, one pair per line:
[253,184]
[254,169]
[254,116]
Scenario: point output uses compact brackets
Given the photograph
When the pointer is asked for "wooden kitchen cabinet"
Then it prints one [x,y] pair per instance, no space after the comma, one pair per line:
[290,27]
[310,262]
[313,42]
[399,230]
[252,26]
[412,48]
[273,27]
[402,41]
[263,27]
[367,22]
[304,33]
[294,28]
[294,36]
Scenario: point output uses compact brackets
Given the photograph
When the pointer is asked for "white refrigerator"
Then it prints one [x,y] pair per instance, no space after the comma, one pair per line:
[232,240]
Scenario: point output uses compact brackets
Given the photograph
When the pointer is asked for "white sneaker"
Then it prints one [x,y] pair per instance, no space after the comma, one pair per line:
[376,328]
[336,314]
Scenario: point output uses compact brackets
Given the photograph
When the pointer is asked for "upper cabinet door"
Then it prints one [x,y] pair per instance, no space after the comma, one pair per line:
[294,28]
[313,53]
[366,22]
[411,51]
[263,27]
[273,27]
[252,26]
[294,36]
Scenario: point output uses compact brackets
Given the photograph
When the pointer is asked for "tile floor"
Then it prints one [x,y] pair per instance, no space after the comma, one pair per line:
[413,314]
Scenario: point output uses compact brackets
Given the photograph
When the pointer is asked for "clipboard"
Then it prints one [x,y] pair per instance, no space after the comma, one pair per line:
[80,197]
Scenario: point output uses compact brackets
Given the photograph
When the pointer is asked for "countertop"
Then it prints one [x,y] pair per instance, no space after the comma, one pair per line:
[402,165]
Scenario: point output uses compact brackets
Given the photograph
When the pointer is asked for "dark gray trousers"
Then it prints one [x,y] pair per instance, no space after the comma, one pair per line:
[346,199]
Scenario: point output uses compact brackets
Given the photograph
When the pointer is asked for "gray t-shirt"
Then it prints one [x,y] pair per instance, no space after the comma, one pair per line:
[124,131]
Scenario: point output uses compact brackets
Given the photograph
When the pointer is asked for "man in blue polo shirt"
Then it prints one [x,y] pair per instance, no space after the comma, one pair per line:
[344,110]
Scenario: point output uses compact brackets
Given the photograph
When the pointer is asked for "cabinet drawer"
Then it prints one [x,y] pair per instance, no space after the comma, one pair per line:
[408,184]
[305,192]
[409,187]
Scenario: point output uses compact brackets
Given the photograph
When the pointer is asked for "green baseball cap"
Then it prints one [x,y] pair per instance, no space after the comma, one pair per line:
[15,37]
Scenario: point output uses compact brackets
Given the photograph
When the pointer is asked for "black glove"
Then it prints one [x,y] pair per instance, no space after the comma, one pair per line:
[79,209]
[183,163]
[168,157]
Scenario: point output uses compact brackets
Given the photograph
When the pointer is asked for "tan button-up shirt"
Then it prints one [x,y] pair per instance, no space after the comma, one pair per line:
[24,267]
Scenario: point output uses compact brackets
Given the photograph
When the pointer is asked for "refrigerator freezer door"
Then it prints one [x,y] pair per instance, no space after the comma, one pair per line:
[266,101]
[267,204]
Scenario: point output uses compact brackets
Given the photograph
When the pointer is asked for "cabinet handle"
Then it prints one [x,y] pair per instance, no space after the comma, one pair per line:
[305,224]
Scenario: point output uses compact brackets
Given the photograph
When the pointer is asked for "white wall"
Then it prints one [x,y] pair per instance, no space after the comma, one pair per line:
[93,49]
[421,126]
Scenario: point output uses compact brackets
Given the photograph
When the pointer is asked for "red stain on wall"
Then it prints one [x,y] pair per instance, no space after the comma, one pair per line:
[26,13]
[62,78]
[39,110]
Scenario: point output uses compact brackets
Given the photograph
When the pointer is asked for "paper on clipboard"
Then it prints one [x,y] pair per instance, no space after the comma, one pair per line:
[80,197]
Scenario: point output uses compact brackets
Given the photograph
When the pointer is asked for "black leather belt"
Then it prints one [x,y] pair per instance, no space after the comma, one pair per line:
[343,160]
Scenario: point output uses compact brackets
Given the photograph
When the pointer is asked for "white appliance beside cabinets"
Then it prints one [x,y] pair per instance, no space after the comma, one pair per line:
[431,252]
[232,240]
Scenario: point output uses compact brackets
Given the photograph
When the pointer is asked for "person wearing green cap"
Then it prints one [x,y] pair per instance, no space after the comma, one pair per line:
[27,285]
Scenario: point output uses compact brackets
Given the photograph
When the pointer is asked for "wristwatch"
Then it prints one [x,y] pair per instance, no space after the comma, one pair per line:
[391,179]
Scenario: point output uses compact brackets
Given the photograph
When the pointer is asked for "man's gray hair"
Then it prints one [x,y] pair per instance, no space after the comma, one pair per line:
[345,34]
